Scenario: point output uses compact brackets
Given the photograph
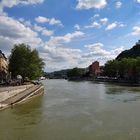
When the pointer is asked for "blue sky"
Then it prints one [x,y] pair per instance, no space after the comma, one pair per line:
[70,33]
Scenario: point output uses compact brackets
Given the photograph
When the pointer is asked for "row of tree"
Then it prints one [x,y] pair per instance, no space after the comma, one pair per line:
[25,62]
[126,68]
[75,72]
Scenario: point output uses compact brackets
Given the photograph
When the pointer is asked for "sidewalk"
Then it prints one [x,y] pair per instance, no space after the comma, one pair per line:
[7,92]
[25,94]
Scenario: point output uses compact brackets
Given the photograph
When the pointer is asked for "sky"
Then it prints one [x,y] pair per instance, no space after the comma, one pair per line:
[70,33]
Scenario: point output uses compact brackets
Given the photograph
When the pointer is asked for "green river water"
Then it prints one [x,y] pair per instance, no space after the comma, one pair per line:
[75,111]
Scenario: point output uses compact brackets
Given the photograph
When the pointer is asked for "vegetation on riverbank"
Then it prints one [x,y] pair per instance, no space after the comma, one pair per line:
[134,52]
[25,62]
[126,66]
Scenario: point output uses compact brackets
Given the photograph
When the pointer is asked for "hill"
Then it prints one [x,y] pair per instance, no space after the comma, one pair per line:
[131,53]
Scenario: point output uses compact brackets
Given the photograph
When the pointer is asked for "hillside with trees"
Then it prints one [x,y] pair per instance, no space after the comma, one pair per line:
[131,53]
[126,66]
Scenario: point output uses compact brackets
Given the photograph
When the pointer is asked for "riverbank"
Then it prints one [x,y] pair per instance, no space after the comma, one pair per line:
[10,96]
[118,81]
[107,80]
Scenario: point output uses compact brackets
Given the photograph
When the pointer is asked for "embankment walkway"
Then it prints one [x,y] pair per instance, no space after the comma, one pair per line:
[21,96]
[7,92]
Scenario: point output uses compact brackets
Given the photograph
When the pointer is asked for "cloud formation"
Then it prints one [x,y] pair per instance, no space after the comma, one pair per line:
[98,53]
[114,25]
[53,43]
[88,4]
[136,31]
[104,20]
[58,57]
[51,21]
[111,26]
[13,32]
[77,26]
[118,4]
[59,40]
[43,30]
[11,3]
[93,25]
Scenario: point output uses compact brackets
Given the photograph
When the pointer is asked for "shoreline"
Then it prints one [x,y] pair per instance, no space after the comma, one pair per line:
[111,81]
[22,96]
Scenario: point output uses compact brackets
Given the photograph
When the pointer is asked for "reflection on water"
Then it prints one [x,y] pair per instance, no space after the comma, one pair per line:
[123,93]
[75,111]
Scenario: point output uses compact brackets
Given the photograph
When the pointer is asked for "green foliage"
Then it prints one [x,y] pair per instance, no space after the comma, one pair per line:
[126,68]
[131,53]
[26,62]
[110,68]
[75,72]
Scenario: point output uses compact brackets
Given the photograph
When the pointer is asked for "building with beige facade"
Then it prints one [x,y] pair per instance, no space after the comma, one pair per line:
[3,67]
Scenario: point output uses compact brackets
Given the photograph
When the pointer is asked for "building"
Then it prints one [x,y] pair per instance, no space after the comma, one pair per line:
[94,69]
[3,67]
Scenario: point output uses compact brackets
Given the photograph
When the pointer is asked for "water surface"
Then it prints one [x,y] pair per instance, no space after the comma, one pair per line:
[75,111]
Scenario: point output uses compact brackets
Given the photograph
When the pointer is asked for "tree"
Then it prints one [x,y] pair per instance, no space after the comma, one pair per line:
[138,67]
[25,62]
[75,72]
[134,52]
[111,68]
[126,68]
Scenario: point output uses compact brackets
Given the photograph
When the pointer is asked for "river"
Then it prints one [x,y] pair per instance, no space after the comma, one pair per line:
[75,111]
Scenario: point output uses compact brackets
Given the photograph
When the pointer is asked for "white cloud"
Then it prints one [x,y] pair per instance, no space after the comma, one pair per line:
[11,3]
[13,32]
[136,31]
[98,53]
[88,4]
[77,26]
[122,25]
[111,26]
[43,30]
[25,22]
[51,21]
[47,32]
[60,57]
[138,1]
[118,4]
[56,55]
[96,49]
[93,25]
[114,25]
[59,40]
[96,15]
[54,21]
[59,54]
[41,19]
[104,20]
[93,46]
[38,28]
[98,23]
